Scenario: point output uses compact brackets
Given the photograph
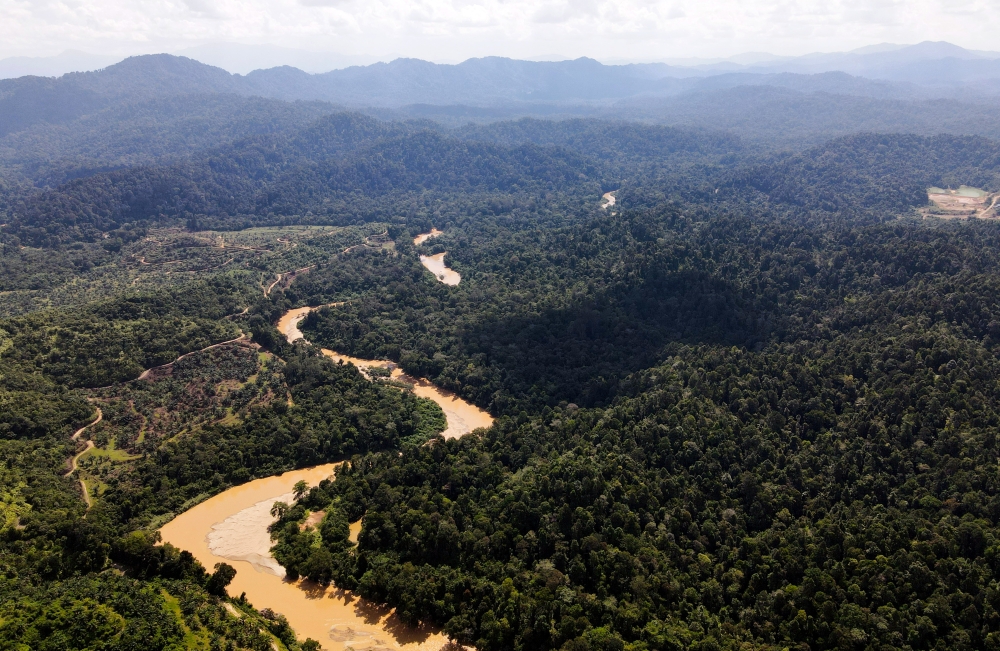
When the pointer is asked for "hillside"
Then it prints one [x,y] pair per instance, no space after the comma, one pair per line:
[752,403]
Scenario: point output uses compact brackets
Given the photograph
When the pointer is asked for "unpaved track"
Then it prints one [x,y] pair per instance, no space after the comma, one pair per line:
[146,373]
[293,273]
[90,444]
[986,211]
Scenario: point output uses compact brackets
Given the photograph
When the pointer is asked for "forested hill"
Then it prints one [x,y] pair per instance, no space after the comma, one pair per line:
[349,168]
[863,177]
[753,405]
[159,131]
[627,147]
[149,108]
[882,174]
[29,100]
[338,170]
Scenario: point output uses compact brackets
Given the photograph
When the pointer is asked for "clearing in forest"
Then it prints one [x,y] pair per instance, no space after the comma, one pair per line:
[962,203]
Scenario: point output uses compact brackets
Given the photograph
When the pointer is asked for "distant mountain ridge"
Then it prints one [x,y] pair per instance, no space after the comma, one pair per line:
[482,82]
[158,108]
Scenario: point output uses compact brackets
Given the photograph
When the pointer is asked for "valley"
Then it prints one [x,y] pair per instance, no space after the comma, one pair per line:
[746,400]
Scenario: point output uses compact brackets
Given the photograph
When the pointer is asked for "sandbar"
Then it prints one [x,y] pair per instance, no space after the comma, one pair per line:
[243,536]
[423,237]
[337,619]
[435,264]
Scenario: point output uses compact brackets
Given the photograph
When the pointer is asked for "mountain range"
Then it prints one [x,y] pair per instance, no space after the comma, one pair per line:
[929,64]
[155,107]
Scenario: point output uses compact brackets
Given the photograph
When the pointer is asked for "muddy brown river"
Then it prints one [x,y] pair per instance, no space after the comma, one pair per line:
[232,527]
[435,263]
[462,416]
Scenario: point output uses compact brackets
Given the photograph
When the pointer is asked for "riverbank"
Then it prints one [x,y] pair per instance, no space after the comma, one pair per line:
[231,528]
[435,264]
[462,416]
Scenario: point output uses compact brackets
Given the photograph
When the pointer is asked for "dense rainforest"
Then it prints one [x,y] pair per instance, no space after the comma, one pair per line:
[753,404]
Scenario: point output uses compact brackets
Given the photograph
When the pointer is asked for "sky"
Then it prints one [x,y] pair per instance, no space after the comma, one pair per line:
[453,30]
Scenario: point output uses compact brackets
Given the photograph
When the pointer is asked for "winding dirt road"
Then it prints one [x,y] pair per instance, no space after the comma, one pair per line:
[284,274]
[145,374]
[985,211]
[90,444]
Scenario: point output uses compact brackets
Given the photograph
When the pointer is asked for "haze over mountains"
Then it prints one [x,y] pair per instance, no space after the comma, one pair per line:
[176,105]
[928,64]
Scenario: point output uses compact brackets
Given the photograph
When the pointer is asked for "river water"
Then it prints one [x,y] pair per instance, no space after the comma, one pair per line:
[462,416]
[435,263]
[232,527]
[423,237]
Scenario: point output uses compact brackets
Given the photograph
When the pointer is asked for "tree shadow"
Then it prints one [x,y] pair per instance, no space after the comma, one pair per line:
[405,633]
[580,351]
[312,589]
[380,617]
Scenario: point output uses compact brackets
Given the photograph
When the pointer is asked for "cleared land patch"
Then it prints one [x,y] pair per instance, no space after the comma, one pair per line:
[258,258]
[962,203]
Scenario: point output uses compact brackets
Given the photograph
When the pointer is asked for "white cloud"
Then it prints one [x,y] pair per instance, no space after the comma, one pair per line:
[457,29]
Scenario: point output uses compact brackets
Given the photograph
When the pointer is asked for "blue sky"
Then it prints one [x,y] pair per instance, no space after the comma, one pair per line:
[452,30]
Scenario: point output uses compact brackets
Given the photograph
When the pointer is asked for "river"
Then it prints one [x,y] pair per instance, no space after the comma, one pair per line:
[232,527]
[423,237]
[435,263]
[463,416]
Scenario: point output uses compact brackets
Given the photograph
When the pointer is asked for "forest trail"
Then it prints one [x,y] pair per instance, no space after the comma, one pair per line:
[223,528]
[987,210]
[267,292]
[462,416]
[284,276]
[86,448]
[145,374]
